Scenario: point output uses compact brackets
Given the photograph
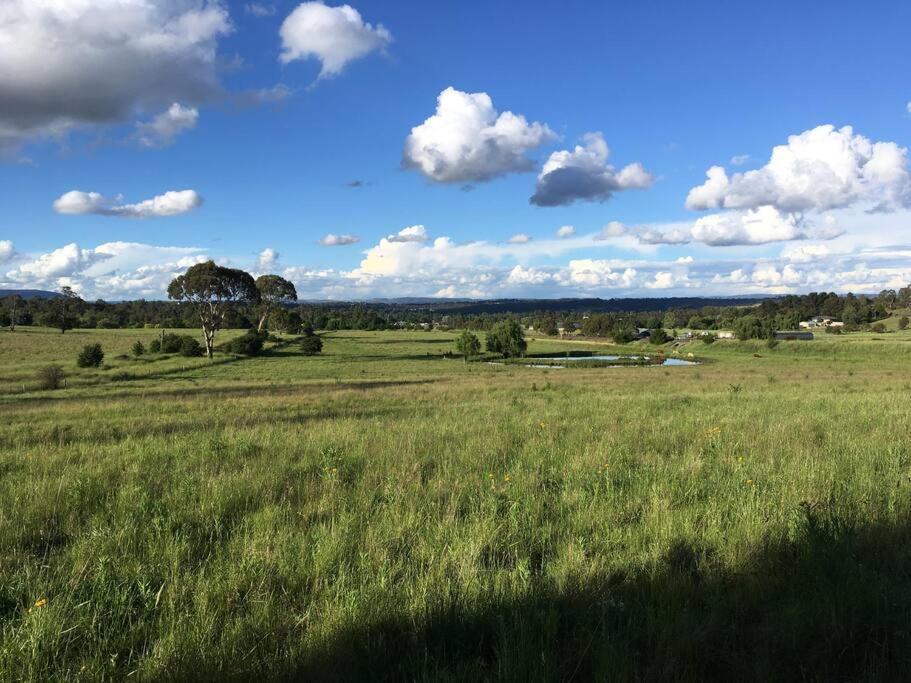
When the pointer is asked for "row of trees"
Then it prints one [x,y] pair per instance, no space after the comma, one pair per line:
[274,305]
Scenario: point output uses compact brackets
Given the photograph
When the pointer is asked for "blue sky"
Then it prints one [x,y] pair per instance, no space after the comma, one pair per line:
[269,148]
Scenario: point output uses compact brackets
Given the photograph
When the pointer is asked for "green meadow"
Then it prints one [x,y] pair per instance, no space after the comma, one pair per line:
[383,512]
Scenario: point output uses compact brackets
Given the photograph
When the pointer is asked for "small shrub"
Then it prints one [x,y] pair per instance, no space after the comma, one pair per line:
[708,339]
[771,342]
[311,345]
[879,328]
[659,336]
[172,343]
[138,348]
[833,330]
[51,377]
[189,347]
[155,346]
[91,356]
[903,322]
[248,344]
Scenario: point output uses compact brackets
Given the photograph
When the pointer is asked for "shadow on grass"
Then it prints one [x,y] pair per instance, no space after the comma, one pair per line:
[832,603]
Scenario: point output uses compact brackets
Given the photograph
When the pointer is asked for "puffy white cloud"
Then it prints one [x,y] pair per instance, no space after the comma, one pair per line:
[267,260]
[467,141]
[521,276]
[600,273]
[662,280]
[520,238]
[415,233]
[739,159]
[583,174]
[6,251]
[612,229]
[739,228]
[333,35]
[164,128]
[820,169]
[332,240]
[756,226]
[672,235]
[565,232]
[172,203]
[66,261]
[114,270]
[71,63]
[124,270]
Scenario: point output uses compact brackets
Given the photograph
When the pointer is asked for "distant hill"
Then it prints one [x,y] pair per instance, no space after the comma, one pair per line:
[593,305]
[29,293]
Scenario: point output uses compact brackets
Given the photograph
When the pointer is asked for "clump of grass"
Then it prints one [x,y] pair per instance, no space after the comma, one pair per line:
[51,377]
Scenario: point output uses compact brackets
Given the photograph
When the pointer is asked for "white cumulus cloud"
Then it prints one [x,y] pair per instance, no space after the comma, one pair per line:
[66,64]
[520,238]
[172,203]
[414,233]
[820,169]
[162,130]
[467,140]
[6,251]
[565,232]
[333,35]
[267,259]
[583,174]
[333,240]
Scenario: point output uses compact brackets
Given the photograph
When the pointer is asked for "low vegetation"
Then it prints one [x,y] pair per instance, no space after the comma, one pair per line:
[384,511]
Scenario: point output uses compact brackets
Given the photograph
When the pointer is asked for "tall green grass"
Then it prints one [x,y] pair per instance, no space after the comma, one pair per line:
[381,512]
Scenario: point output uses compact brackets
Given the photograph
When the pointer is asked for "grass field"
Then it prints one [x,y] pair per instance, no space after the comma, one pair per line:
[382,512]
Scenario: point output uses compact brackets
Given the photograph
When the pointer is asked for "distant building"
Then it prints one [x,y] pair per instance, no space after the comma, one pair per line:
[643,332]
[793,335]
[724,334]
[820,321]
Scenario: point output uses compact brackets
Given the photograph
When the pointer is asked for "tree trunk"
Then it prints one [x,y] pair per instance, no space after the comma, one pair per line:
[209,336]
[262,321]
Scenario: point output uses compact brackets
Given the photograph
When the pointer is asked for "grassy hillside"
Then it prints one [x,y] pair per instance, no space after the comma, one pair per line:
[382,512]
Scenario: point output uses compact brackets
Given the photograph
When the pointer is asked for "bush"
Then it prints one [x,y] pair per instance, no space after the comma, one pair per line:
[624,335]
[903,322]
[507,339]
[189,347]
[659,336]
[708,339]
[138,348]
[833,330]
[91,356]
[311,345]
[879,328]
[172,343]
[51,377]
[248,344]
[771,342]
[155,346]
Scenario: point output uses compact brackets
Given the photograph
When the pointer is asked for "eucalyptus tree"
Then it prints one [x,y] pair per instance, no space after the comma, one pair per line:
[274,291]
[213,291]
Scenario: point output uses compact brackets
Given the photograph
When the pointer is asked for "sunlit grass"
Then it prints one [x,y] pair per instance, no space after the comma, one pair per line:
[381,511]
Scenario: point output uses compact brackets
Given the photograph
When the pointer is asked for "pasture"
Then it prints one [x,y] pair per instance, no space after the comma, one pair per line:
[382,512]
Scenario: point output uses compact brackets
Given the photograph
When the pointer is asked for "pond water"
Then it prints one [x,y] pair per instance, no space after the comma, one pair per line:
[565,359]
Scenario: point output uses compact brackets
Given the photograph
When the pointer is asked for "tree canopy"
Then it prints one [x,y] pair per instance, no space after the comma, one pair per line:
[507,339]
[213,290]
[274,291]
[468,345]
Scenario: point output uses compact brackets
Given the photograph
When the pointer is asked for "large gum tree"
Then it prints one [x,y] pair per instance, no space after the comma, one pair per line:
[274,291]
[213,290]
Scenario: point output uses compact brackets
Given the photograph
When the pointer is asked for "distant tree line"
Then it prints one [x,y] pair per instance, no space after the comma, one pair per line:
[274,306]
